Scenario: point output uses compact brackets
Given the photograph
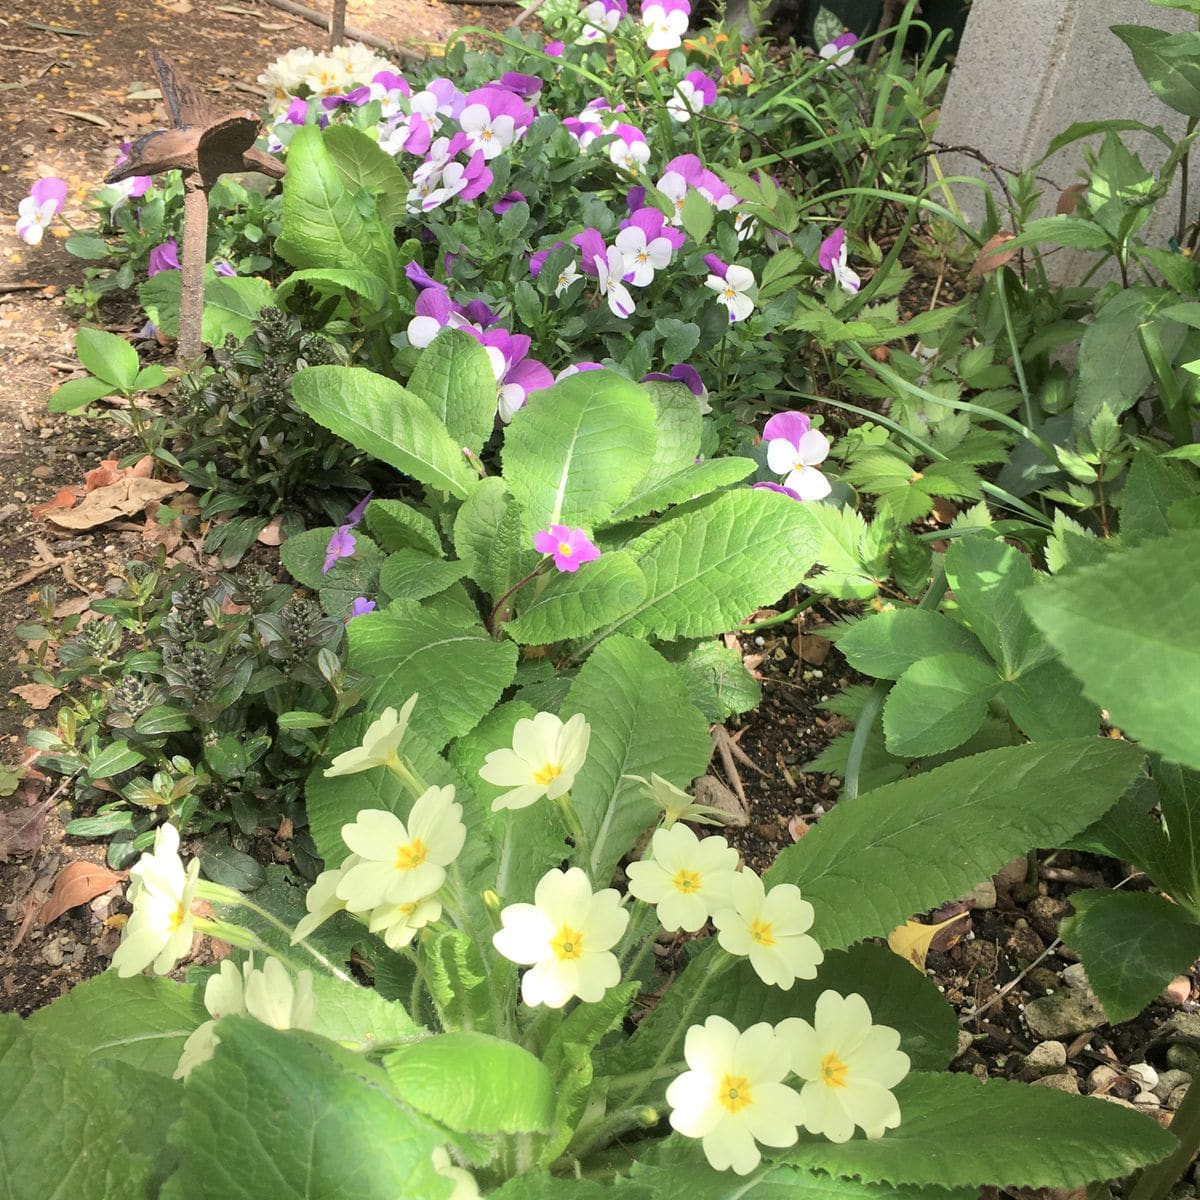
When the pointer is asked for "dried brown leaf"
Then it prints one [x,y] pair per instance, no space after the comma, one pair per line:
[993,255]
[121,499]
[77,883]
[39,696]
[21,829]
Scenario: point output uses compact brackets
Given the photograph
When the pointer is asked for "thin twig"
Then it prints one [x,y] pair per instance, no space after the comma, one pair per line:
[355,35]
[528,12]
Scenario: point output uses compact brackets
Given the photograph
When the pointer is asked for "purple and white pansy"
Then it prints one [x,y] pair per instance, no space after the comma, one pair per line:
[665,22]
[517,375]
[832,258]
[692,93]
[44,202]
[600,20]
[732,285]
[840,51]
[794,450]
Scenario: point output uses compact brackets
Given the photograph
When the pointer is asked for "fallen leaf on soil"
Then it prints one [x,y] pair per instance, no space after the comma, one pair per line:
[64,498]
[73,607]
[38,696]
[108,472]
[270,534]
[993,255]
[797,827]
[912,940]
[21,829]
[77,883]
[814,649]
[709,790]
[122,499]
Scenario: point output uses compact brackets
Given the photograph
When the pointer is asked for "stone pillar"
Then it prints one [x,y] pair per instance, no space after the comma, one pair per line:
[1025,71]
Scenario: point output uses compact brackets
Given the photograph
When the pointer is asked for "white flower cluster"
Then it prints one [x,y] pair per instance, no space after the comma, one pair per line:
[321,74]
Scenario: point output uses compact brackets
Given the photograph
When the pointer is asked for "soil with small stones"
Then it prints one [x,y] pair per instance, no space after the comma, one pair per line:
[997,957]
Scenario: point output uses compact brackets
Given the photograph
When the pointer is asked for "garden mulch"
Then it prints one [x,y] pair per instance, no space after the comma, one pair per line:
[67,107]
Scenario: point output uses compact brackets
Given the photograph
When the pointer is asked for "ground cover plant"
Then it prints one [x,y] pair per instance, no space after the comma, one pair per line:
[550,367]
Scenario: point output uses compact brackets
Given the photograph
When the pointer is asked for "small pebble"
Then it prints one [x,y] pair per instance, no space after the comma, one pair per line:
[818,810]
[1102,1078]
[1060,1083]
[1048,1058]
[760,640]
[965,1042]
[1148,1099]
[1144,1074]
[1175,1099]
[52,952]
[1075,976]
[1178,992]
[1168,1081]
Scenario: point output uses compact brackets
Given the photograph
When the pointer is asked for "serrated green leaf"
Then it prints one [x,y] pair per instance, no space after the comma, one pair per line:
[1151,488]
[718,682]
[886,644]
[696,479]
[937,704]
[396,525]
[854,555]
[386,420]
[642,722]
[407,649]
[1126,628]
[574,451]
[574,604]
[867,865]
[708,568]
[454,377]
[1132,944]
[413,575]
[957,1131]
[358,1138]
[473,1083]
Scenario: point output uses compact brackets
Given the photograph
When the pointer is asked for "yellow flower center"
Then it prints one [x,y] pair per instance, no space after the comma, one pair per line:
[176,918]
[407,910]
[567,944]
[486,134]
[566,549]
[544,776]
[728,293]
[833,1071]
[760,932]
[734,1093]
[643,257]
[686,881]
[411,854]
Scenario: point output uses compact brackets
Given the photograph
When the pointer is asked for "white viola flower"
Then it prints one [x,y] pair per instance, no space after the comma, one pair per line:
[734,1095]
[566,938]
[322,900]
[274,999]
[600,21]
[159,930]
[454,180]
[633,155]
[465,1187]
[849,1066]
[664,30]
[731,291]
[421,190]
[840,51]
[687,879]
[831,255]
[489,135]
[797,462]
[566,277]
[642,257]
[685,102]
[545,757]
[402,860]
[398,924]
[674,186]
[33,219]
[379,745]
[609,272]
[224,996]
[771,928]
[392,137]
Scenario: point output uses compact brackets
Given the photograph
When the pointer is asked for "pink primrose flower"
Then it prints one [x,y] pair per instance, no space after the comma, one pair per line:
[571,547]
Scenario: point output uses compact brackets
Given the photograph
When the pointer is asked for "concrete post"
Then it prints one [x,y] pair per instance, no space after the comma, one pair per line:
[1026,70]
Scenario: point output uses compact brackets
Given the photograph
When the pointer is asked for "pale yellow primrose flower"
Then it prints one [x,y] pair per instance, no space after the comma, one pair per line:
[676,804]
[159,930]
[566,937]
[399,923]
[322,900]
[687,879]
[379,744]
[401,860]
[849,1066]
[465,1187]
[268,996]
[545,757]
[771,928]
[734,1094]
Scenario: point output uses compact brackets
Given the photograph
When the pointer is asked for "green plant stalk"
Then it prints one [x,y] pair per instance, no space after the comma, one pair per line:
[1011,331]
[874,704]
[1155,1182]
[512,44]
[1169,390]
[779,618]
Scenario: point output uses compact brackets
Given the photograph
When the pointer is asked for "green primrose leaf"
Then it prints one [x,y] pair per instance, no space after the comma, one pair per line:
[108,357]
[937,704]
[454,377]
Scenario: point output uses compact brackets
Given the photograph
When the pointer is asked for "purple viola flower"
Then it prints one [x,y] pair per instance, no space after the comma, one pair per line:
[354,99]
[389,81]
[479,314]
[635,198]
[571,547]
[537,260]
[776,487]
[794,450]
[520,85]
[493,118]
[554,49]
[601,18]
[419,277]
[692,93]
[517,375]
[223,267]
[297,111]
[136,185]
[356,513]
[506,202]
[840,52]
[646,246]
[45,201]
[576,369]
[832,258]
[682,373]
[341,545]
[591,243]
[164,257]
[630,148]
[654,225]
[361,607]
[434,312]
[716,265]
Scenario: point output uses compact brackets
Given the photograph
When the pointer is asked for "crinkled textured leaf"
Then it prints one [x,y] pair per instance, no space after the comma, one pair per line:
[454,377]
[957,1131]
[695,479]
[708,568]
[458,981]
[937,704]
[1127,629]
[413,575]
[332,281]
[574,604]
[718,682]
[396,525]
[1153,485]
[678,425]
[903,848]
[642,722]
[1132,944]
[473,1083]
[355,1016]
[364,166]
[286,1103]
[387,421]
[142,1021]
[575,451]
[490,537]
